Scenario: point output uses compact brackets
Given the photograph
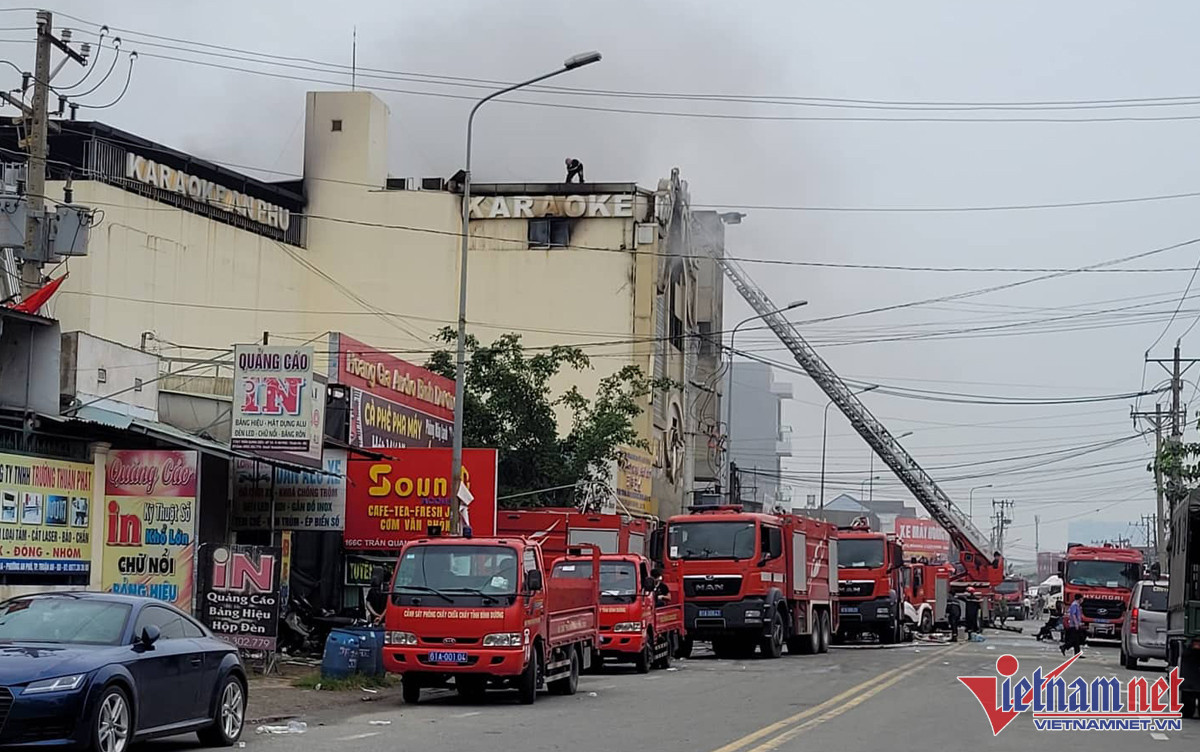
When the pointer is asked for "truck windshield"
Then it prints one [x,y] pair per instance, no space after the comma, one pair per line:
[618,581]
[711,540]
[865,553]
[1008,587]
[453,572]
[1103,573]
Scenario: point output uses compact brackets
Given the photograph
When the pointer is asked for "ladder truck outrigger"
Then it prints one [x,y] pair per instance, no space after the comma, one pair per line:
[976,568]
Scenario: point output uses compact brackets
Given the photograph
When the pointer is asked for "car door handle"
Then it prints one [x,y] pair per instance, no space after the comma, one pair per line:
[196,661]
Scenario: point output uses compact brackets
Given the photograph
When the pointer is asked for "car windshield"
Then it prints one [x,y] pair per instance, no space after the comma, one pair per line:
[618,581]
[1008,586]
[711,540]
[63,619]
[862,553]
[458,570]
[1154,598]
[1103,573]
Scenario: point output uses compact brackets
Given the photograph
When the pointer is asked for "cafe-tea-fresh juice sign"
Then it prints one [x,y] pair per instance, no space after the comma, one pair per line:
[150,524]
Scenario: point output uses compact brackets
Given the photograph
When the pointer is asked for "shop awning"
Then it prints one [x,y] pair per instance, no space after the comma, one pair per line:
[172,435]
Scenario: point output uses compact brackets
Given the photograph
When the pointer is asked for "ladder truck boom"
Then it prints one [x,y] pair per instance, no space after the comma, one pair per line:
[978,565]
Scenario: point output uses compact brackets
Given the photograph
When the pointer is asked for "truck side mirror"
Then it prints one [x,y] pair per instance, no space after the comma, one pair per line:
[656,545]
[533,581]
[1062,568]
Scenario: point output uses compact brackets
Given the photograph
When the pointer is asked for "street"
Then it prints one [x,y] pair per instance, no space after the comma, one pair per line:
[854,698]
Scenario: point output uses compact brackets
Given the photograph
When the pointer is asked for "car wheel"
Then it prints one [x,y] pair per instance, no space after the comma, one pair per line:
[112,724]
[410,689]
[229,717]
[527,683]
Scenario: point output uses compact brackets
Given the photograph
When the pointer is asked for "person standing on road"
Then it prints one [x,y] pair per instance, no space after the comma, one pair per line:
[377,596]
[1073,635]
[974,611]
[954,611]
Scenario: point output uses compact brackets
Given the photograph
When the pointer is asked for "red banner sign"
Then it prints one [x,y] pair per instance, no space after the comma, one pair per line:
[387,376]
[922,538]
[396,499]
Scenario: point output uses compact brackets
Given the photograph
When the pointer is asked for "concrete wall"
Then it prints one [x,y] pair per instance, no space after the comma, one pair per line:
[756,440]
[87,359]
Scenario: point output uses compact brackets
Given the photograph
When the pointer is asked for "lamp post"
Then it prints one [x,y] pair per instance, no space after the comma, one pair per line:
[825,438]
[871,468]
[863,484]
[571,63]
[729,389]
[971,501]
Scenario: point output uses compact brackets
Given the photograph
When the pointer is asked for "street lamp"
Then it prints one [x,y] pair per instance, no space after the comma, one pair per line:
[864,483]
[971,501]
[729,388]
[871,468]
[571,63]
[825,438]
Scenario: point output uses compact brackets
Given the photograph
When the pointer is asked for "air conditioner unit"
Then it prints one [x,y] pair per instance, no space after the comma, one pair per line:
[433,184]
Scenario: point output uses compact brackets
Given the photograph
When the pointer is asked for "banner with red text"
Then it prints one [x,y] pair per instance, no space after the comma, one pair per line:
[922,538]
[393,403]
[274,399]
[150,524]
[397,498]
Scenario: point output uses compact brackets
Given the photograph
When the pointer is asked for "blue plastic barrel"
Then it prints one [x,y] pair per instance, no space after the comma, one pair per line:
[341,653]
[370,650]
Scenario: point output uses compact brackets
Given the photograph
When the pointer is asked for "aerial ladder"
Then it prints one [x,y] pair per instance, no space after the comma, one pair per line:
[977,567]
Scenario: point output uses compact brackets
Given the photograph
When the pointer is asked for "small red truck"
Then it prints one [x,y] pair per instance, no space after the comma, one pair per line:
[753,581]
[927,586]
[871,584]
[639,623]
[557,528]
[489,613]
[1105,576]
[1011,594]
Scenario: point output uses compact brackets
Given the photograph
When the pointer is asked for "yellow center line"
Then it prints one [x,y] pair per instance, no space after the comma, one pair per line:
[792,733]
[832,702]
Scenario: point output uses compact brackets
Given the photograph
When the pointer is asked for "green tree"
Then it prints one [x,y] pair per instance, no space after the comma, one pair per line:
[509,405]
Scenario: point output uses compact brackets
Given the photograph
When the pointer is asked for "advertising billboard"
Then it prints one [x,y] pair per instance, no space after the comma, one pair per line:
[303,500]
[923,539]
[393,404]
[150,524]
[397,498]
[45,516]
[275,400]
[241,597]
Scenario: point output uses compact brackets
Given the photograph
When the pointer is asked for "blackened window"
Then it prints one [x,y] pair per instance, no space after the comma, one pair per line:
[551,232]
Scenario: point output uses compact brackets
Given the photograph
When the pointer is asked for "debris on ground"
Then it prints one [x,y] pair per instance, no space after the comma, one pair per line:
[380,723]
[292,727]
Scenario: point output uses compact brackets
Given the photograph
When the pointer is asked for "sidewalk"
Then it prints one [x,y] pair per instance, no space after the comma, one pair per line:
[276,697]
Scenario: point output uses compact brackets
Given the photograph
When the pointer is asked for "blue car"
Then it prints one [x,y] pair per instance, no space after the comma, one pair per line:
[100,672]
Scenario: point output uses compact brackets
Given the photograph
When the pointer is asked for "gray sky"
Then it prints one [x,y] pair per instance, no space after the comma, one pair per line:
[915,51]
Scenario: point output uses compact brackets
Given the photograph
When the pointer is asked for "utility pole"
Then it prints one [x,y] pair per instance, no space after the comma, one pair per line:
[1176,366]
[37,119]
[1160,531]
[1003,519]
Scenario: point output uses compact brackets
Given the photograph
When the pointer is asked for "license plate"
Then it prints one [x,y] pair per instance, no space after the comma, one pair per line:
[447,656]
[1101,621]
[849,609]
[710,612]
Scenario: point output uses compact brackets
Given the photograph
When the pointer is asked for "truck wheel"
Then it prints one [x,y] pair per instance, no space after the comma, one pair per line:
[665,661]
[772,643]
[724,648]
[527,683]
[926,622]
[645,659]
[685,648]
[826,632]
[410,690]
[569,684]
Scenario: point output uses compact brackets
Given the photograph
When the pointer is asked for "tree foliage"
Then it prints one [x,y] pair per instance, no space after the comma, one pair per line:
[508,404]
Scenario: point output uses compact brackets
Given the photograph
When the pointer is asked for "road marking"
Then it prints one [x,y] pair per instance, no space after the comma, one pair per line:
[1159,737]
[355,737]
[795,731]
[467,715]
[822,707]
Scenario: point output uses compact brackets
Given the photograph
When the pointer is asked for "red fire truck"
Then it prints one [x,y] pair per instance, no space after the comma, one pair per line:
[1105,576]
[927,588]
[557,528]
[872,584]
[1011,594]
[639,622]
[482,611]
[752,580]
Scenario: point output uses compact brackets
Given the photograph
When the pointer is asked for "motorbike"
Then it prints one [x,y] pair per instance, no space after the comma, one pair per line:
[306,627]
